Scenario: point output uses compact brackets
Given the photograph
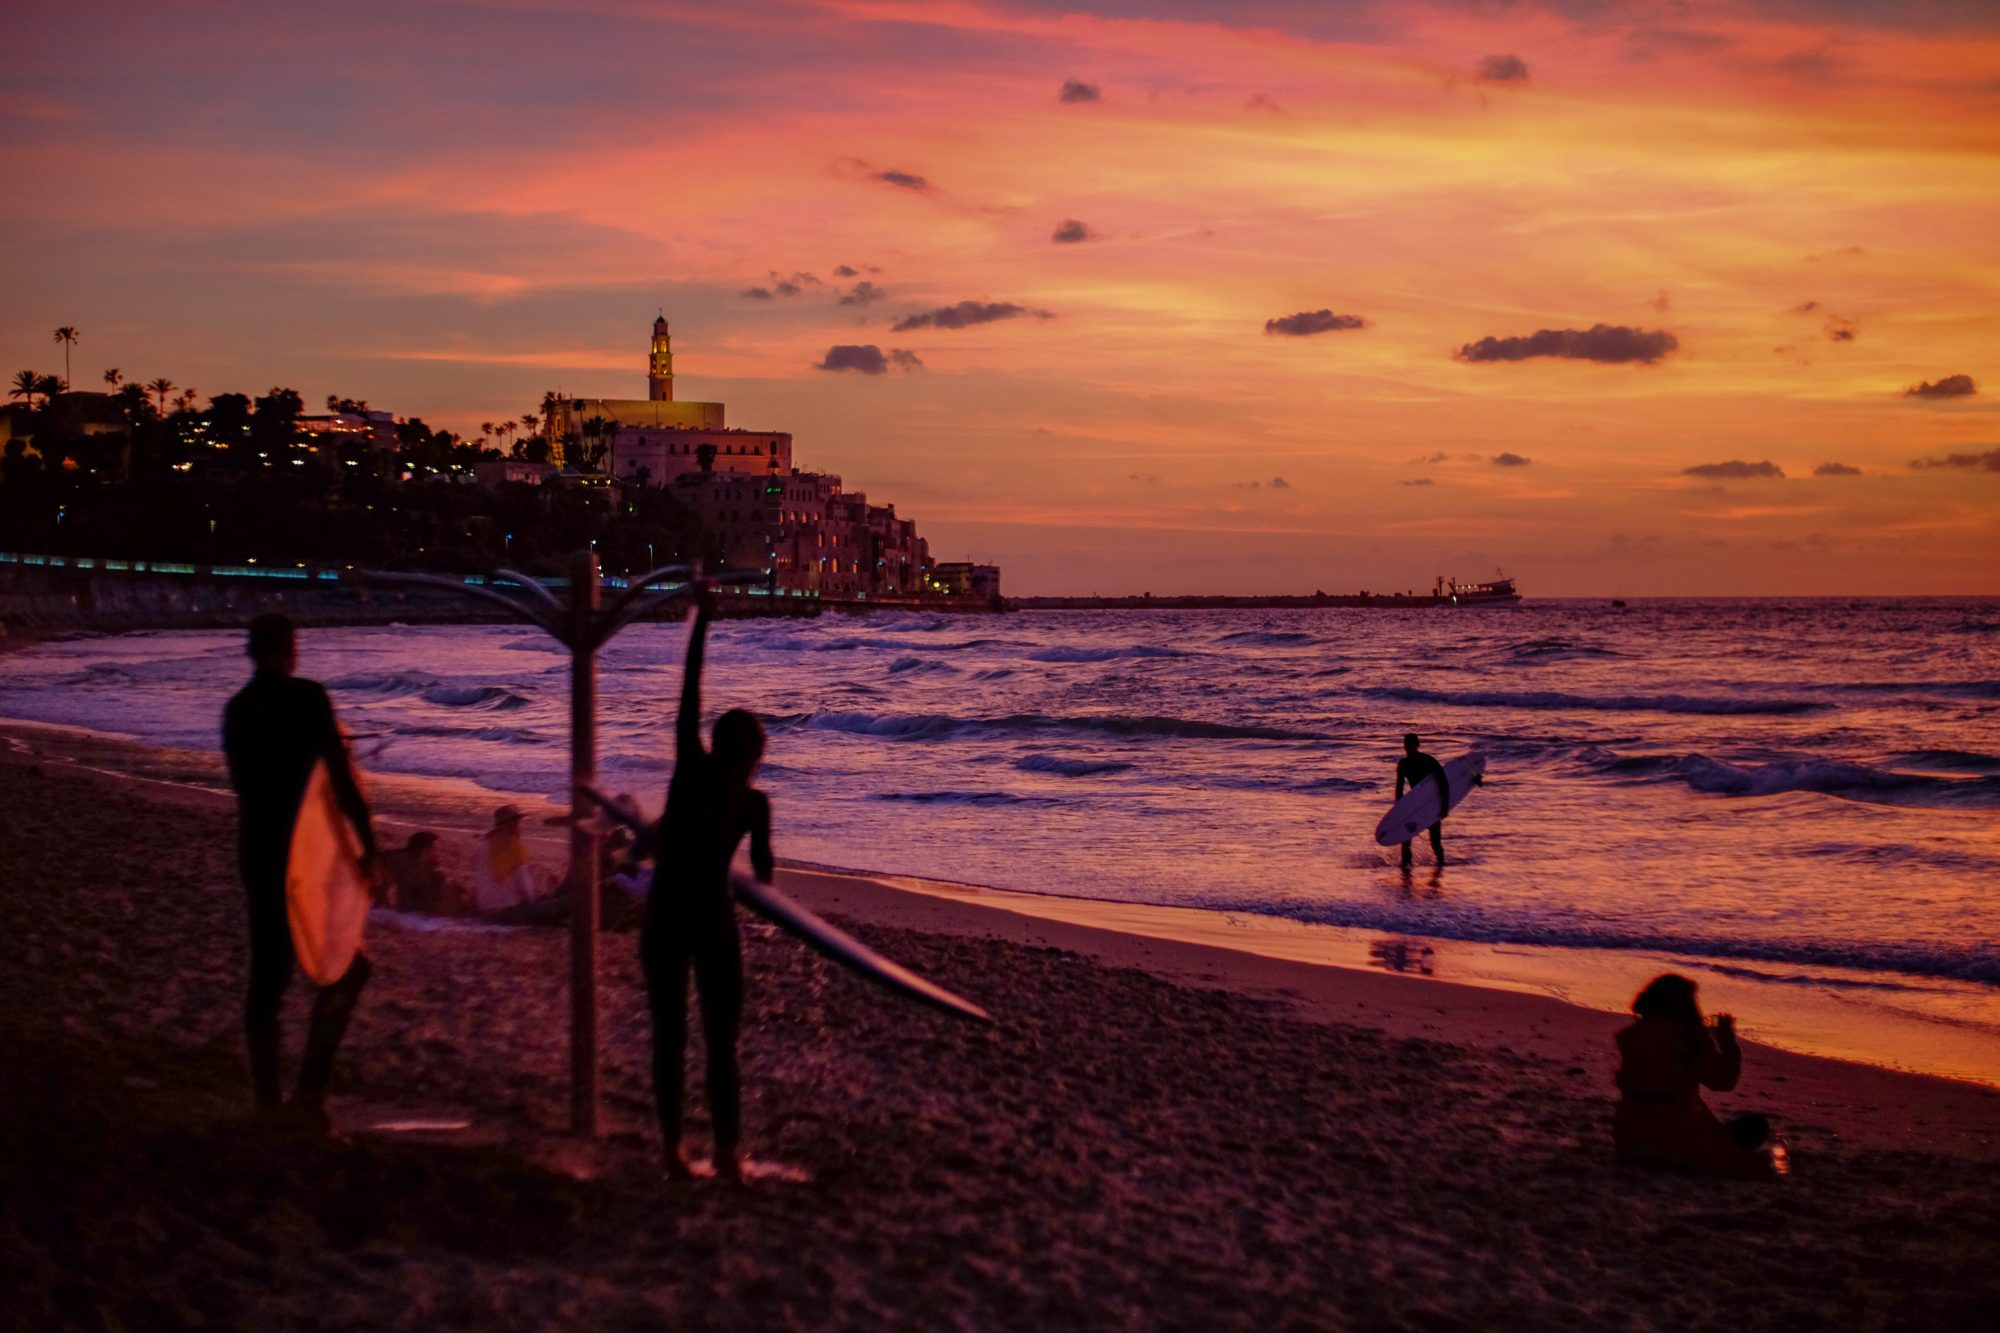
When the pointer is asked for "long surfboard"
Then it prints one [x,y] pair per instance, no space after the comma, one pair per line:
[326,894]
[1419,809]
[816,931]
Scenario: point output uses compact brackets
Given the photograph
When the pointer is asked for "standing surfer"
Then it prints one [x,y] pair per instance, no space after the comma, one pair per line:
[690,916]
[1412,768]
[274,730]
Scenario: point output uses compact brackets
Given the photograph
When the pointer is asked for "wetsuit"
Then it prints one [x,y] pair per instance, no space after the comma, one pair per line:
[1414,768]
[691,918]
[273,731]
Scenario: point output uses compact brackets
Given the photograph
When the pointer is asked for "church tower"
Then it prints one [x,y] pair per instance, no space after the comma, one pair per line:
[660,370]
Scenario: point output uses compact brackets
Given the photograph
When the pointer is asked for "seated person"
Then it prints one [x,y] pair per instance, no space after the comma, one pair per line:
[1666,1058]
[416,882]
[505,879]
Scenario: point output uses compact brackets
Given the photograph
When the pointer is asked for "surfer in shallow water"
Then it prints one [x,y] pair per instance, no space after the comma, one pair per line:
[1414,767]
[273,731]
[691,918]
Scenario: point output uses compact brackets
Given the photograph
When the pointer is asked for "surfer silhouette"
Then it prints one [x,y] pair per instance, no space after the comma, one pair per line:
[1414,767]
[690,916]
[274,730]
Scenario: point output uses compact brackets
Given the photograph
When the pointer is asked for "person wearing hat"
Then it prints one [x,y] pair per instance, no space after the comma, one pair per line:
[505,879]
[274,730]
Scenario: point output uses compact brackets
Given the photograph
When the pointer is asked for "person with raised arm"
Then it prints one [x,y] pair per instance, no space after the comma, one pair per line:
[690,922]
[1665,1059]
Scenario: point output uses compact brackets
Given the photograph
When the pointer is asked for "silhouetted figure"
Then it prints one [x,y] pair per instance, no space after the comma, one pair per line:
[1666,1058]
[690,915]
[273,731]
[1412,768]
[414,879]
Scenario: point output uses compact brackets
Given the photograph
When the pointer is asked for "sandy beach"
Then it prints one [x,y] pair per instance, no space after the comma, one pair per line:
[1160,1132]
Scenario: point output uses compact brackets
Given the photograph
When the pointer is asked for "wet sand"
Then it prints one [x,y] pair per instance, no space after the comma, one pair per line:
[1160,1133]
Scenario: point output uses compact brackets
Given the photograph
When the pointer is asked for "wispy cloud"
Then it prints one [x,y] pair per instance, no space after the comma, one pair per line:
[1071,231]
[1607,343]
[1308,322]
[1503,69]
[1076,90]
[867,359]
[1736,470]
[966,314]
[1951,386]
[1510,460]
[1836,470]
[1986,462]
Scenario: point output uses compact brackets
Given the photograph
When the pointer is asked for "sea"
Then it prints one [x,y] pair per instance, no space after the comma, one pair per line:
[1795,802]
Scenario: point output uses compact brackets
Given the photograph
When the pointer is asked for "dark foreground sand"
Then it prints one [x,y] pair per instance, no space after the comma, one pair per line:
[1124,1151]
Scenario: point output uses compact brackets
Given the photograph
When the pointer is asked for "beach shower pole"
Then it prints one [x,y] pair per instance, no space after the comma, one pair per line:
[583,626]
[583,847]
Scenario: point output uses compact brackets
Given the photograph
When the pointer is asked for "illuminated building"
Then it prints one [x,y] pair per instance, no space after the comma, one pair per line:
[657,411]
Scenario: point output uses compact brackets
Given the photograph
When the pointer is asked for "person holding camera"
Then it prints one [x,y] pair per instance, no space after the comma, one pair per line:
[1666,1058]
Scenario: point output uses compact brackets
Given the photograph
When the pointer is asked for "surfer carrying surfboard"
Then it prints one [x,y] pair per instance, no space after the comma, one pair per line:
[275,731]
[690,915]
[1415,766]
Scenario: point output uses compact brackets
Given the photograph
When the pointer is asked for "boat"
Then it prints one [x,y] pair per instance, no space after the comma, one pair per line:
[1497,591]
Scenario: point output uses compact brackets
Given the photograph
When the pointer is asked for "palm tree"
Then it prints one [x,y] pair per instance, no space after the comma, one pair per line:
[162,386]
[26,385]
[529,421]
[185,402]
[66,335]
[112,376]
[48,386]
[485,429]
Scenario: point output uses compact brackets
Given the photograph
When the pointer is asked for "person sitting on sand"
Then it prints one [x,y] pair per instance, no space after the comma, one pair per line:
[1666,1058]
[414,879]
[504,877]
[274,730]
[690,915]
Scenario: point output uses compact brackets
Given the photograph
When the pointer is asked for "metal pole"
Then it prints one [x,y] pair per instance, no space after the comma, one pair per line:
[583,852]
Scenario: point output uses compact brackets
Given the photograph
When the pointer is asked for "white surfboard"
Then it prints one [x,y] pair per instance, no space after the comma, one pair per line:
[1409,818]
[817,932]
[326,894]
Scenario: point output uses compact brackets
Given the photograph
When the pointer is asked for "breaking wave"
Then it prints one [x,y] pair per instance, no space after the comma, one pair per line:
[1860,782]
[1720,705]
[940,726]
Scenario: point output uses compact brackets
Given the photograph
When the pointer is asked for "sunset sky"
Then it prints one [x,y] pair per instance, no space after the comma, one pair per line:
[1278,295]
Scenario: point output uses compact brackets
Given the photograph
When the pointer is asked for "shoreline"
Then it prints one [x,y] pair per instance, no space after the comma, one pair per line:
[1812,1010]
[1320,973]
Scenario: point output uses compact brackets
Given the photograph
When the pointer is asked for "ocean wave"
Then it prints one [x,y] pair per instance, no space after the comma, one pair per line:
[940,726]
[1950,761]
[1568,931]
[491,735]
[919,666]
[1063,653]
[1829,777]
[1268,638]
[1614,703]
[494,698]
[1068,767]
[1540,652]
[962,798]
[384,685]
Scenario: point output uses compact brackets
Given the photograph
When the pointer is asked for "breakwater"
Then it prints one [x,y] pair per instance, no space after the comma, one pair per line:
[56,592]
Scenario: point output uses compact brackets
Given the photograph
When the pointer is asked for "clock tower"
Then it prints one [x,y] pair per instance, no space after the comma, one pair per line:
[660,369]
